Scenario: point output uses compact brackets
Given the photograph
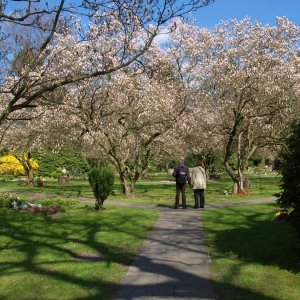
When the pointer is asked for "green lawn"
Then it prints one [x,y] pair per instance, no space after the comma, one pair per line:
[72,188]
[156,192]
[83,254]
[79,254]
[252,256]
[157,189]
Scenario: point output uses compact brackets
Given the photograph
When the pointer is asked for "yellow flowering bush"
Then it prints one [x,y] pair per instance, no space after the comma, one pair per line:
[10,165]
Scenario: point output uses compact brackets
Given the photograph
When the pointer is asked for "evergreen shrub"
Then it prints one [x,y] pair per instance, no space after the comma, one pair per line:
[289,197]
[101,180]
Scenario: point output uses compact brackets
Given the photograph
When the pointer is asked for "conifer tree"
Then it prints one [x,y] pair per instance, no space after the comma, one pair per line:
[289,197]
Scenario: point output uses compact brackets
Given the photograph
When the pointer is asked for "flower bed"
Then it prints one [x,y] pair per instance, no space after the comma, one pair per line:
[13,202]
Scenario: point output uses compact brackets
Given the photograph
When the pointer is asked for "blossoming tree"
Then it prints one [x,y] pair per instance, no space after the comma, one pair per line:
[124,115]
[55,45]
[247,76]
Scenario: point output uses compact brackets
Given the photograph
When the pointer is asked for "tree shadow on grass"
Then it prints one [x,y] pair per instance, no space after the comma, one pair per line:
[33,235]
[44,246]
[181,284]
[254,239]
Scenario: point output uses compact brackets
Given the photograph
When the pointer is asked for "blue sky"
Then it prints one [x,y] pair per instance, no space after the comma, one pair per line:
[264,11]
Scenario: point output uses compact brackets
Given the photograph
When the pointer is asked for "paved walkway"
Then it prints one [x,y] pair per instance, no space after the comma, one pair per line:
[173,262]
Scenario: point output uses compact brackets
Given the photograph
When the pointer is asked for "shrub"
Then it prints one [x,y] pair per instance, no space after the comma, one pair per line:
[289,197]
[55,174]
[250,164]
[10,165]
[102,182]
[51,163]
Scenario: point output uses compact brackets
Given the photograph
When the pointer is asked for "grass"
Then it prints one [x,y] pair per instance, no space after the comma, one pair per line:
[83,254]
[72,188]
[80,254]
[157,189]
[252,256]
[155,192]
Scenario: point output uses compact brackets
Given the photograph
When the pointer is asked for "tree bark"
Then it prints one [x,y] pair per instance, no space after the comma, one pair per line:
[98,204]
[239,179]
[126,187]
[24,159]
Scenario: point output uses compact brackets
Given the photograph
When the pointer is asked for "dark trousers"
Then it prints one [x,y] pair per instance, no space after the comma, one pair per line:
[180,188]
[199,198]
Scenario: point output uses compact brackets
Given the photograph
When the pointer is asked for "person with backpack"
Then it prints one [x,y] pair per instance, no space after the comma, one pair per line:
[199,184]
[182,176]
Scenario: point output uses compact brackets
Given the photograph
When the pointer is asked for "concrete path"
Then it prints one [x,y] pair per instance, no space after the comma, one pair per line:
[173,262]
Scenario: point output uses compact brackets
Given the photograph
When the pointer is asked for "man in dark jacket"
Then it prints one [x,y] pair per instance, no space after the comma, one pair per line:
[182,175]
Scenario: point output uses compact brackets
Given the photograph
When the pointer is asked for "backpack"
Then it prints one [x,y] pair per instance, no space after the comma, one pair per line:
[181,176]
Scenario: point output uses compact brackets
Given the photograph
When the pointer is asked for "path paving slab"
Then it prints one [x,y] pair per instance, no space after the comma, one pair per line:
[173,262]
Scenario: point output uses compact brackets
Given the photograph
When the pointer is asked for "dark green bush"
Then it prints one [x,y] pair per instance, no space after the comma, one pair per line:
[102,182]
[55,174]
[50,163]
[289,197]
[255,160]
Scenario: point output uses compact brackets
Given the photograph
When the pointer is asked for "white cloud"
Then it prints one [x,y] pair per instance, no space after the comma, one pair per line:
[162,38]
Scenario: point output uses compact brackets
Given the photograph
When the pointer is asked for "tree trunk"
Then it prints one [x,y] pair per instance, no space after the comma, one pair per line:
[240,186]
[235,188]
[240,180]
[28,168]
[98,204]
[24,159]
[30,175]
[128,180]
[207,171]
[239,170]
[126,186]
[166,166]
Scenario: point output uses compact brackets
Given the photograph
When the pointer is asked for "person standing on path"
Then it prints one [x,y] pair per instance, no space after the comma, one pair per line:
[199,184]
[182,175]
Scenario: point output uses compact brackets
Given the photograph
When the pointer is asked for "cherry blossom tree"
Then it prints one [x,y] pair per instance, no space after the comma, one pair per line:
[247,77]
[124,115]
[49,130]
[195,131]
[69,43]
[45,48]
